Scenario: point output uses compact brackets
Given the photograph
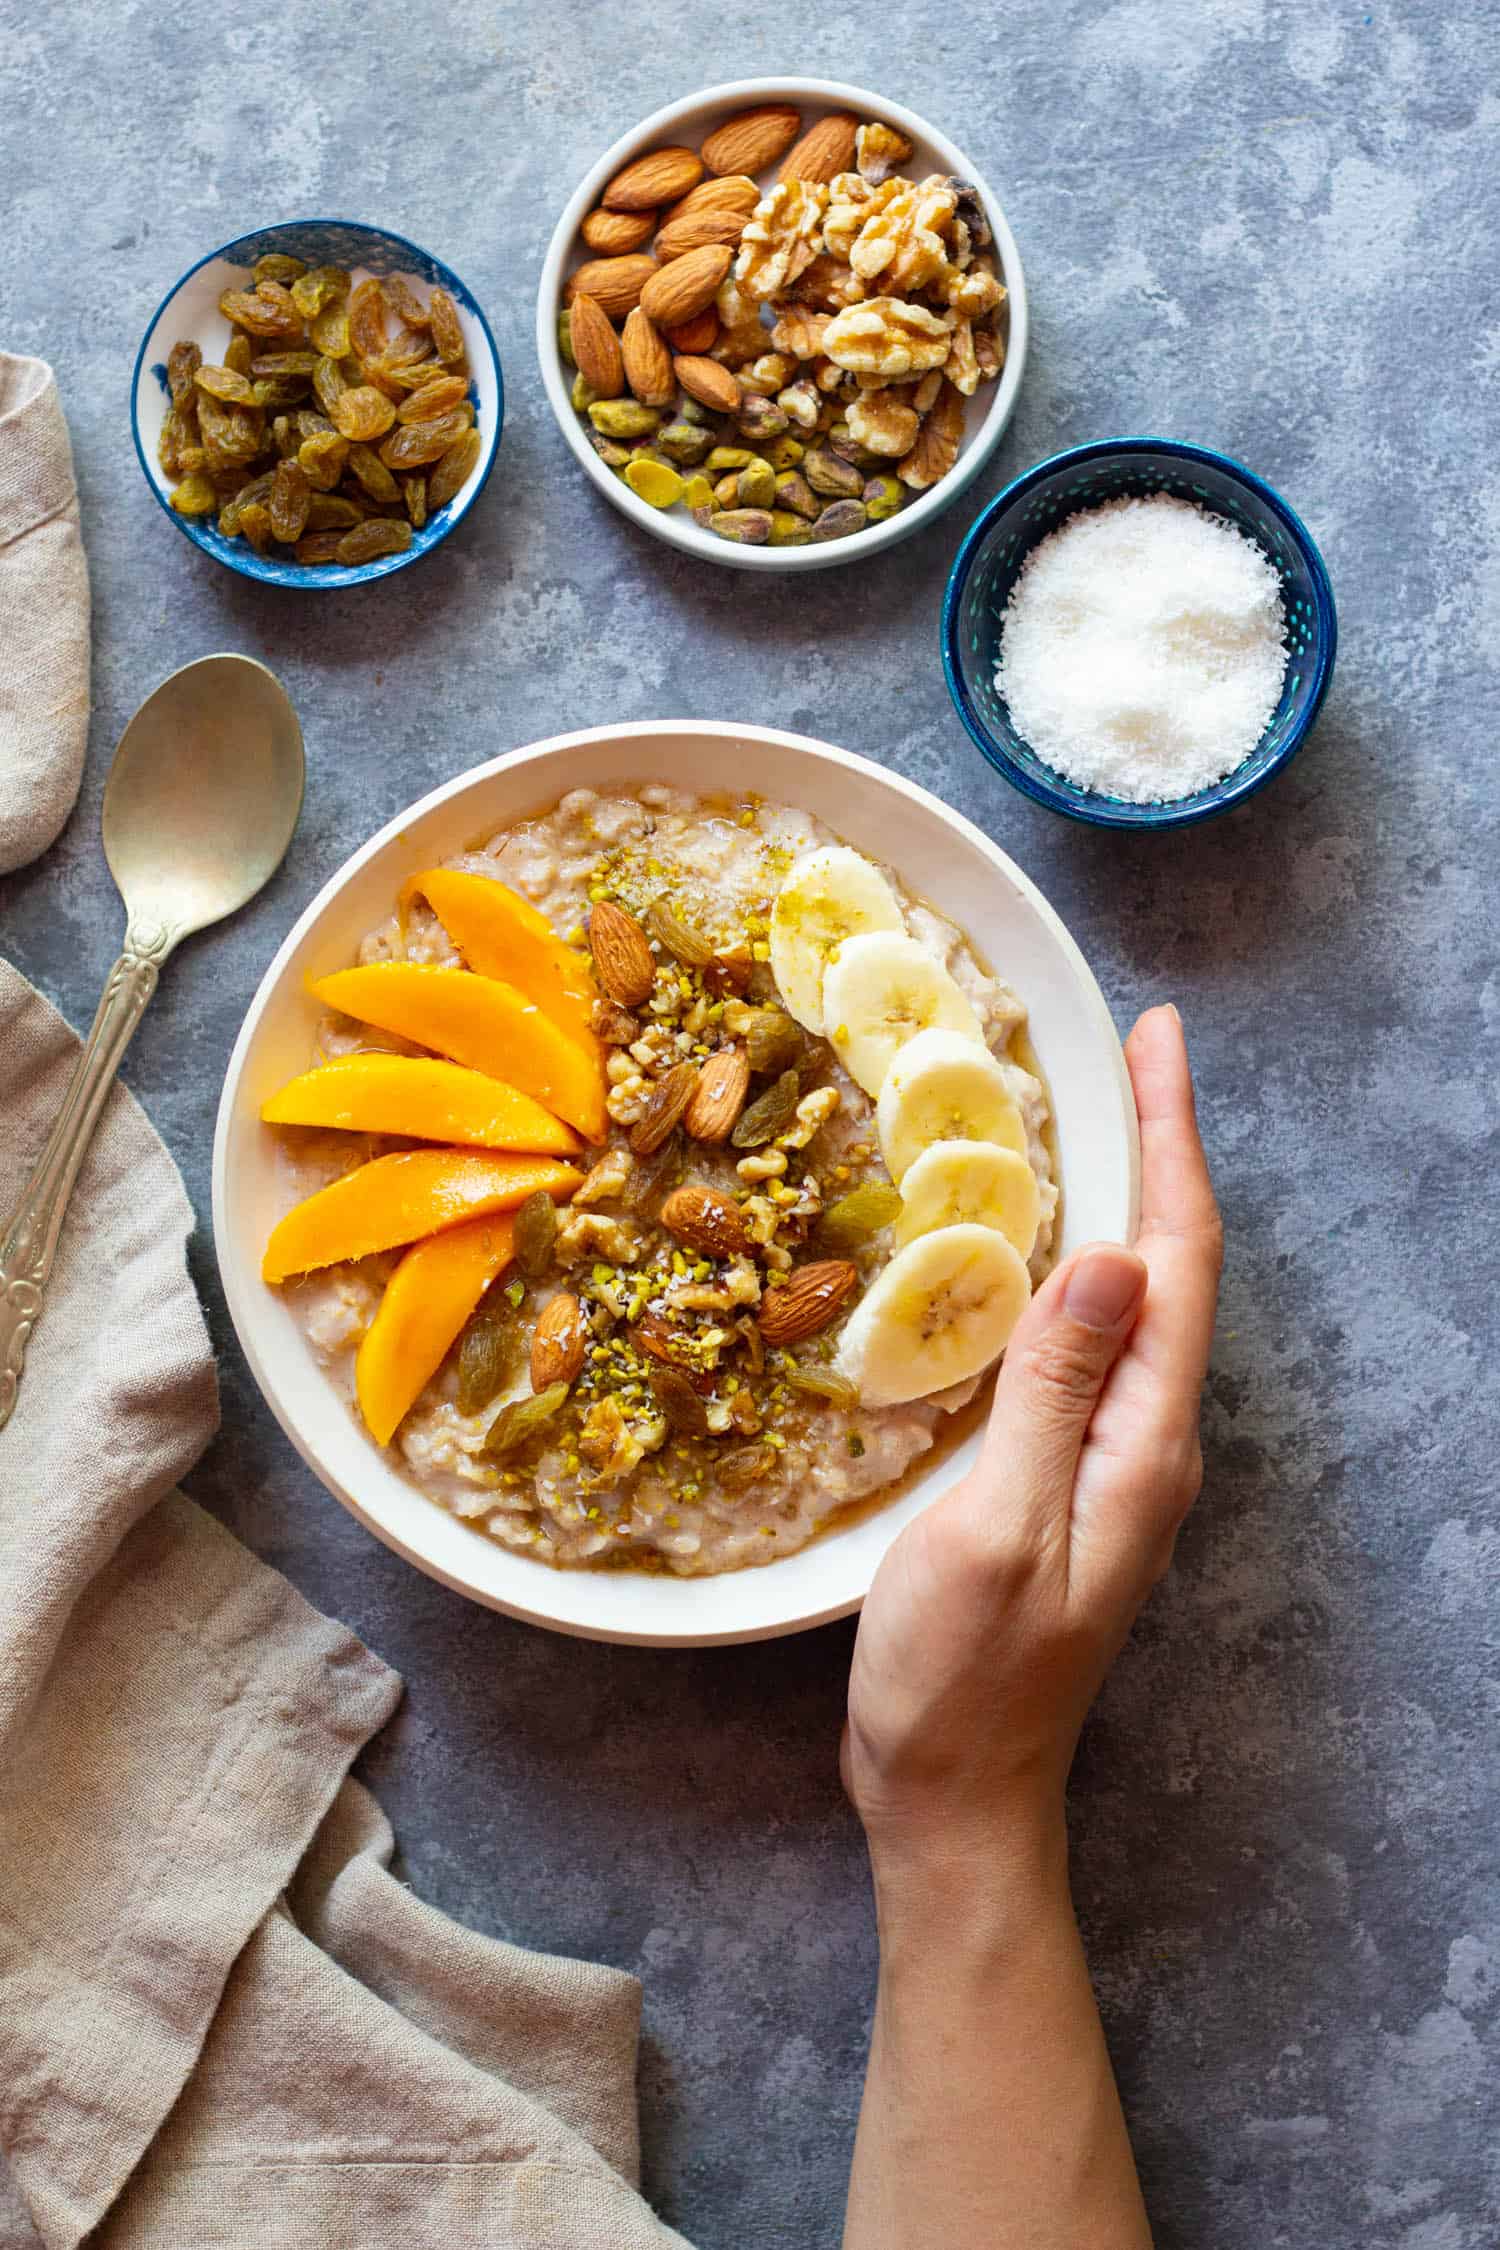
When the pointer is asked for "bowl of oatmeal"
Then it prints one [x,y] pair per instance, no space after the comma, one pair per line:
[662,1332]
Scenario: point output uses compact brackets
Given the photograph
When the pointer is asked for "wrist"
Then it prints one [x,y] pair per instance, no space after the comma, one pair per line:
[955,1871]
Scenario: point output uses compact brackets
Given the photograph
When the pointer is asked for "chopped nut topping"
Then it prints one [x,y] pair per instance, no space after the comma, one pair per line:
[605,1180]
[589,1234]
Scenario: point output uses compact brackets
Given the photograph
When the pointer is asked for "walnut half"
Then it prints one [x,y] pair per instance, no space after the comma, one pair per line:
[887,337]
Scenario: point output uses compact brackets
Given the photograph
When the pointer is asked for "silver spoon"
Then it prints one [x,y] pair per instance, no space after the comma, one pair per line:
[199,809]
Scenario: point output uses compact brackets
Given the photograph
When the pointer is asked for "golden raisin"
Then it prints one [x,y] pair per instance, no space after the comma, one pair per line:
[313,292]
[370,471]
[330,331]
[404,301]
[319,547]
[414,492]
[367,320]
[447,328]
[435,397]
[291,496]
[453,470]
[381,535]
[363,413]
[183,362]
[195,496]
[276,266]
[255,522]
[416,443]
[322,457]
[328,384]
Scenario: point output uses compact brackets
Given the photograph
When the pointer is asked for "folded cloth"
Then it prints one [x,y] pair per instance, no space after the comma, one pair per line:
[44,611]
[222,2020]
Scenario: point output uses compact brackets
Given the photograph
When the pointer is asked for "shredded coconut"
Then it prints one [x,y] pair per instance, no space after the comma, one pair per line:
[1143,648]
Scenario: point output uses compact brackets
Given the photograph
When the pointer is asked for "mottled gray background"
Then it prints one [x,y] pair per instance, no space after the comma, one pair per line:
[1266,226]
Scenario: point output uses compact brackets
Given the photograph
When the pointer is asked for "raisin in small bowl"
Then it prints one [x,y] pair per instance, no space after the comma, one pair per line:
[336,421]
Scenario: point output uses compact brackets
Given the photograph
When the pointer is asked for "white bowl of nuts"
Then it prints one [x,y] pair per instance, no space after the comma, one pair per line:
[782,323]
[700,1536]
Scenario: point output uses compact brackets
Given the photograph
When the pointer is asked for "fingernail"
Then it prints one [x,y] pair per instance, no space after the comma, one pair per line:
[1174,1010]
[1103,1287]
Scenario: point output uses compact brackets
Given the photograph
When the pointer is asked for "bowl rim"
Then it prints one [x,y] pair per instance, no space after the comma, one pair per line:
[548,758]
[683,534]
[384,566]
[1102,813]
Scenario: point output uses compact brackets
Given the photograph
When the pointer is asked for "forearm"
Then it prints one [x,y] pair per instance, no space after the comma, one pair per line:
[990,2113]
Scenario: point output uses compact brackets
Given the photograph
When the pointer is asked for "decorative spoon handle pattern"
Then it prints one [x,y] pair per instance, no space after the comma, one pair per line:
[29,1241]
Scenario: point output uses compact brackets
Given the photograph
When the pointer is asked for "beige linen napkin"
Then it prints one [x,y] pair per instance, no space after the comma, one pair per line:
[191,2052]
[44,615]
[222,2020]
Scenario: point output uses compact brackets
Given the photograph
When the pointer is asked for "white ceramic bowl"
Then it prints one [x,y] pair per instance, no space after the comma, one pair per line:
[189,313]
[940,856]
[686,123]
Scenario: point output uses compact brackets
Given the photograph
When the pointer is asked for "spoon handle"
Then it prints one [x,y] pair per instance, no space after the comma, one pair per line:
[30,1237]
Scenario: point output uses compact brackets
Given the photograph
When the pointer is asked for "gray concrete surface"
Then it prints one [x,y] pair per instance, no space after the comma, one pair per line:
[1267,226]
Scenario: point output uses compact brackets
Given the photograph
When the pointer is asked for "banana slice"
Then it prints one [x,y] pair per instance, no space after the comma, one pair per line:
[940,1312]
[962,1183]
[879,991]
[942,1087]
[829,895]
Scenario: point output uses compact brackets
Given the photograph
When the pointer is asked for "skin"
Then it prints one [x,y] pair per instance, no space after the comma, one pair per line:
[990,2112]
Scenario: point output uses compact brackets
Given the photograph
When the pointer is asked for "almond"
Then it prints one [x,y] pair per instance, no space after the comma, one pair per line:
[615,284]
[661,176]
[751,139]
[669,1098]
[706,1220]
[824,150]
[694,228]
[709,383]
[699,334]
[648,363]
[734,193]
[623,960]
[558,1342]
[596,347]
[719,1096]
[806,1301]
[612,233]
[675,292]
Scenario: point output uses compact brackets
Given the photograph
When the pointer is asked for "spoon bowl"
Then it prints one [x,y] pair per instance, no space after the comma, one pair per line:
[203,795]
[201,802]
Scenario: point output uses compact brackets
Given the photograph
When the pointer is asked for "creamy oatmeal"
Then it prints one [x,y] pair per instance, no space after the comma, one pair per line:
[697,1435]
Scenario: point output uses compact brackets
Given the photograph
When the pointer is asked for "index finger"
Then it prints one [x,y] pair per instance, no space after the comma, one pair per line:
[1181,1238]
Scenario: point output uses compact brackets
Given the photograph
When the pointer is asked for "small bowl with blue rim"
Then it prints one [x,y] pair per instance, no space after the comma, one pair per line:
[189,313]
[1003,535]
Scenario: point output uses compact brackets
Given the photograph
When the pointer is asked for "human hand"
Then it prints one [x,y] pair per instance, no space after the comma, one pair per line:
[993,1619]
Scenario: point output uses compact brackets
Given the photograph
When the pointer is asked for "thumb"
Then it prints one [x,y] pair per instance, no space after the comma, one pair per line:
[1056,1365]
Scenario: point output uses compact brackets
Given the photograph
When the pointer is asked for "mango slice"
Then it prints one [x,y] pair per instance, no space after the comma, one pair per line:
[399,1198]
[429,1101]
[427,1300]
[501,934]
[482,1022]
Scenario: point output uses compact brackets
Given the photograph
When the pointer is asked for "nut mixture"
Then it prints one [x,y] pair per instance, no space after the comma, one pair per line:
[788,364]
[323,430]
[652,1384]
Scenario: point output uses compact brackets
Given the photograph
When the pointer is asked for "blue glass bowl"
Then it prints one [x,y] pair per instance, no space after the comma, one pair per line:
[1004,533]
[190,310]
